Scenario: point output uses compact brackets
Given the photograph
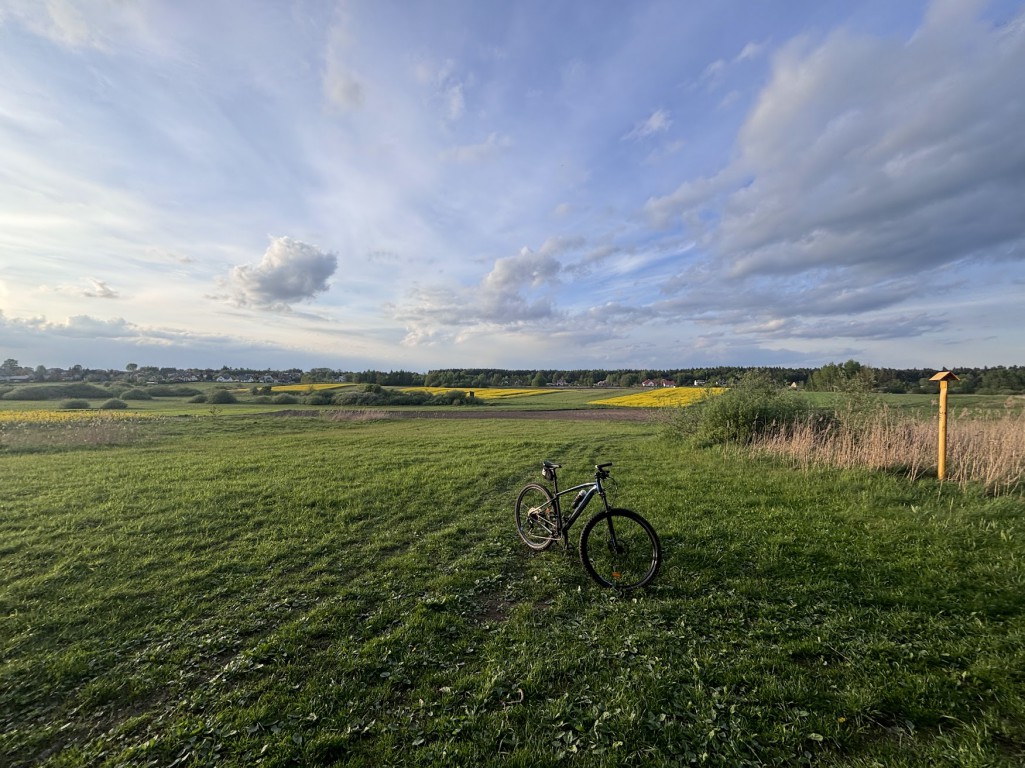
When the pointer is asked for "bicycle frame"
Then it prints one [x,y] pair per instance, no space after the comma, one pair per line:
[590,488]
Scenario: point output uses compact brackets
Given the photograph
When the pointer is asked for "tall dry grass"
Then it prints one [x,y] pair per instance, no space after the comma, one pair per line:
[981,449]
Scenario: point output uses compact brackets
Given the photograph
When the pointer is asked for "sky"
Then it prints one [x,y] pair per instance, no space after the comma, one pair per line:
[567,184]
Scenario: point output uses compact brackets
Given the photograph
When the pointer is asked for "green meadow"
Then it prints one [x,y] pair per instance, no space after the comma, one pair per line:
[229,588]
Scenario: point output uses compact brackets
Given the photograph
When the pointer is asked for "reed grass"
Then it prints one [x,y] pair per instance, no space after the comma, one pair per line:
[982,448]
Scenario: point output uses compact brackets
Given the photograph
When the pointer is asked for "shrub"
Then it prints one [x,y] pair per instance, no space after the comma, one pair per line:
[284,399]
[221,397]
[740,414]
[200,398]
[113,404]
[319,398]
[136,394]
[360,398]
[69,405]
[374,394]
[76,390]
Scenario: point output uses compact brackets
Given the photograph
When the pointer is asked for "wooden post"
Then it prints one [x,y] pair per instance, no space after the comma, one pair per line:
[943,377]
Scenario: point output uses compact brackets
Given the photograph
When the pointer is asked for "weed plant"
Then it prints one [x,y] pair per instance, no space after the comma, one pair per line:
[737,415]
[982,449]
[235,591]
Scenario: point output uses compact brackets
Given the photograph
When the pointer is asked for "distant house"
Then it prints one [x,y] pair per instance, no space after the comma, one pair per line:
[648,383]
[699,382]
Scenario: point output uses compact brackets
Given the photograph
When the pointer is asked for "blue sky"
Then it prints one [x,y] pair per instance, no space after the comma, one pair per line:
[556,184]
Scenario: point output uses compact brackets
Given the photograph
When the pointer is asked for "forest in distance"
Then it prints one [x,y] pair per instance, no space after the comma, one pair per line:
[831,377]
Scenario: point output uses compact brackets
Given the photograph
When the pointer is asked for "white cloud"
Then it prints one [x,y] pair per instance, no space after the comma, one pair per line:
[657,122]
[750,51]
[289,271]
[526,269]
[516,293]
[100,290]
[872,156]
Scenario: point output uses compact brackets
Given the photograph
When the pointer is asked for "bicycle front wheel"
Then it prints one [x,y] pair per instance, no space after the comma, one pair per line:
[620,549]
[536,521]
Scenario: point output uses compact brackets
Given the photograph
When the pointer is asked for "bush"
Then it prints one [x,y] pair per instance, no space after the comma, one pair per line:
[374,394]
[221,397]
[75,405]
[113,404]
[77,390]
[757,404]
[319,398]
[136,394]
[284,399]
[200,398]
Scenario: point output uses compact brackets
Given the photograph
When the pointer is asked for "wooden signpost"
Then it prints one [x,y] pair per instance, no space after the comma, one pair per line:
[943,377]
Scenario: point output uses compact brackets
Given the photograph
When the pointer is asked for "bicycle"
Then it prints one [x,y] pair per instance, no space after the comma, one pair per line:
[618,547]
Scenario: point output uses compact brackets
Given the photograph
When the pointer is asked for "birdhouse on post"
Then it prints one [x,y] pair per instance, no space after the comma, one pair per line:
[943,377]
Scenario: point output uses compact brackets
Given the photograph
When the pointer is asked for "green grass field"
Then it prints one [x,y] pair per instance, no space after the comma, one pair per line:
[237,590]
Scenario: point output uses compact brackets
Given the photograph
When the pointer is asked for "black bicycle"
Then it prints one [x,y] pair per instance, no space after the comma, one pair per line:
[618,547]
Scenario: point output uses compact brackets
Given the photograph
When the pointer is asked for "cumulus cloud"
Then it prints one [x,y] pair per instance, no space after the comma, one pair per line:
[289,271]
[516,293]
[526,269]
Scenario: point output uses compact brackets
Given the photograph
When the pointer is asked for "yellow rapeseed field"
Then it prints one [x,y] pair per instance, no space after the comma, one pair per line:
[67,417]
[668,397]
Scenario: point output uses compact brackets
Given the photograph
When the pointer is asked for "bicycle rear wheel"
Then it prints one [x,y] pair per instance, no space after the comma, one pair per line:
[536,521]
[620,549]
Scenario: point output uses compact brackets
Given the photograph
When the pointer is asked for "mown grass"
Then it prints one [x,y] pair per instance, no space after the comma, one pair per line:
[235,591]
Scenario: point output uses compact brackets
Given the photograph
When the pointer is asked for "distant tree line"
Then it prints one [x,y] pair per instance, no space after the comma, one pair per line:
[852,375]
[846,376]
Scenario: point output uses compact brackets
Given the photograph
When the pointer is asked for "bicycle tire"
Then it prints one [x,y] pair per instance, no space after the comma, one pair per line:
[620,549]
[536,520]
